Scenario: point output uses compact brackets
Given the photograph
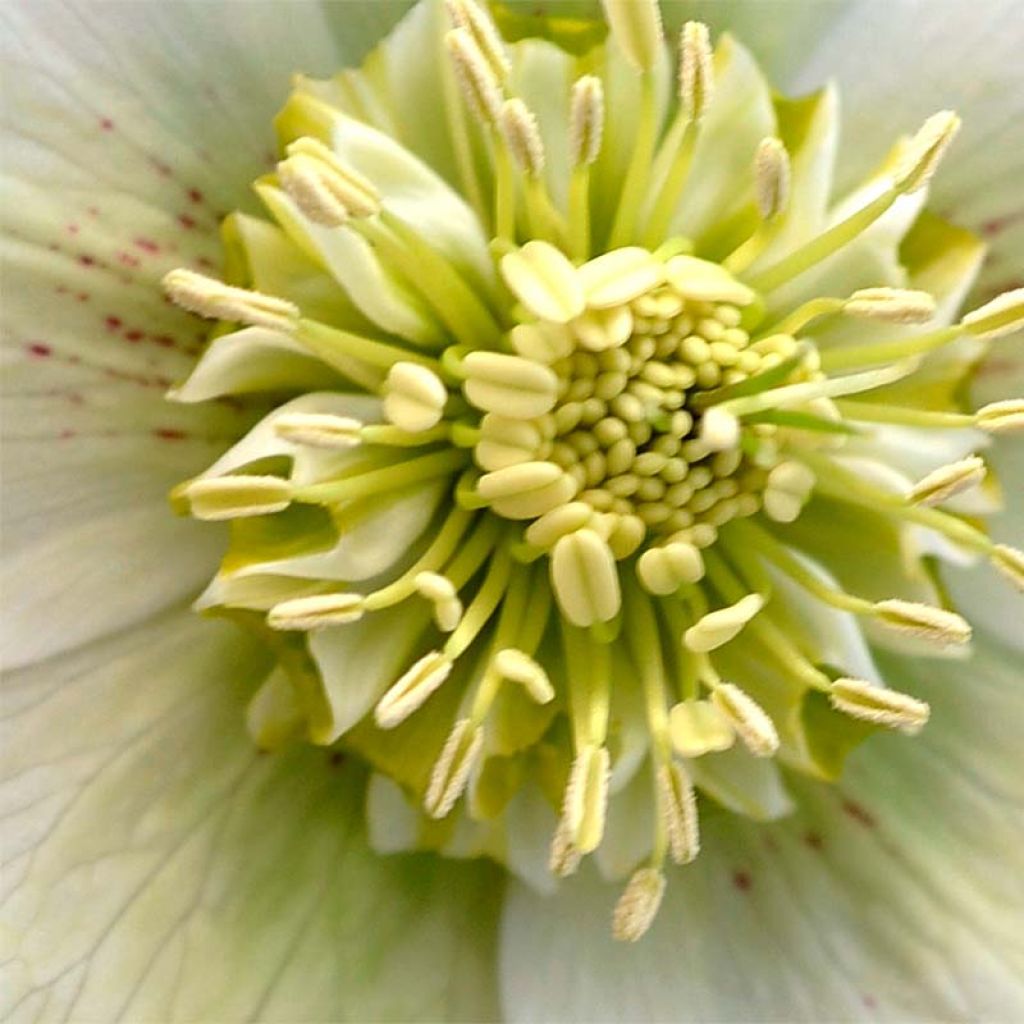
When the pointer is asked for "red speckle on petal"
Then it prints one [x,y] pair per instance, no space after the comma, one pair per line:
[859,813]
[195,195]
[742,880]
[870,1001]
[998,225]
[113,323]
[82,297]
[133,335]
[106,124]
[127,259]
[147,245]
[187,222]
[39,349]
[72,229]
[86,260]
[169,434]
[204,263]
[93,211]
[163,340]
[814,841]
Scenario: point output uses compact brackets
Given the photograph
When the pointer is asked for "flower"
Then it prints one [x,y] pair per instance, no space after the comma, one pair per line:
[365,209]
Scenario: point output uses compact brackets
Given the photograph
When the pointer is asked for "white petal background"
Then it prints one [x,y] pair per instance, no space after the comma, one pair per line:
[144,841]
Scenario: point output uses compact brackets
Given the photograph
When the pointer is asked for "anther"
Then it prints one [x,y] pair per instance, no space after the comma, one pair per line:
[586,120]
[441,592]
[586,798]
[923,622]
[585,579]
[787,489]
[519,126]
[943,483]
[925,150]
[546,531]
[719,429]
[414,397]
[771,177]
[564,857]
[638,905]
[544,280]
[510,385]
[325,188]
[663,570]
[210,298]
[477,80]
[719,627]
[526,490]
[1005,417]
[636,27]
[697,727]
[237,497]
[696,71]
[1003,315]
[877,704]
[894,305]
[1010,562]
[678,808]
[519,667]
[468,15]
[619,276]
[318,430]
[453,767]
[748,718]
[318,611]
[412,690]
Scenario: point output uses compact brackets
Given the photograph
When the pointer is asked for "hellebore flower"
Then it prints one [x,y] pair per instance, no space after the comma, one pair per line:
[600,463]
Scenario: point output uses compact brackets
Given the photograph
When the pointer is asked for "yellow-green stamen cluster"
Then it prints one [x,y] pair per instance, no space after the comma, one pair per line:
[609,446]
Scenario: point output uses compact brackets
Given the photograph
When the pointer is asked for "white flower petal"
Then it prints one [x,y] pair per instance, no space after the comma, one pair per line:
[893,898]
[161,870]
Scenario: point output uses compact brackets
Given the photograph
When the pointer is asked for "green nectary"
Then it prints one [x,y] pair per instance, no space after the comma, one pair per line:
[607,387]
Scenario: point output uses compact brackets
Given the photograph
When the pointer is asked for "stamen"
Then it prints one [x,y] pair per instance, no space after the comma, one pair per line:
[1005,417]
[319,430]
[526,490]
[586,120]
[510,385]
[697,727]
[586,798]
[1003,315]
[943,483]
[549,528]
[663,570]
[476,78]
[787,489]
[519,126]
[585,579]
[453,767]
[469,15]
[210,298]
[236,497]
[441,592]
[922,621]
[414,397]
[636,27]
[748,718]
[544,281]
[771,178]
[678,807]
[519,667]
[696,72]
[619,276]
[925,150]
[324,189]
[412,690]
[719,627]
[638,905]
[564,857]
[318,611]
[719,430]
[877,704]
[1010,562]
[894,305]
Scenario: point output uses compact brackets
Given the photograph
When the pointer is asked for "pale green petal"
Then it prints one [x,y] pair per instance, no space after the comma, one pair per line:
[965,57]
[892,898]
[162,870]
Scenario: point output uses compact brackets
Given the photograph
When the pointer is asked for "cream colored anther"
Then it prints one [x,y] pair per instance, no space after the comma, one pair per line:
[704,281]
[771,177]
[544,281]
[506,442]
[510,385]
[696,69]
[748,719]
[542,342]
[619,276]
[518,667]
[585,579]
[586,120]
[698,727]
[522,135]
[411,691]
[925,150]
[316,612]
[237,497]
[787,489]
[550,527]
[677,807]
[1010,562]
[663,570]
[210,298]
[526,490]
[480,86]
[1003,315]
[1004,417]
[469,15]
[893,305]
[719,429]
[636,28]
[318,430]
[323,187]
[638,905]
[879,705]
[947,481]
[586,798]
[923,622]
[719,627]
[452,770]
[414,397]
[441,592]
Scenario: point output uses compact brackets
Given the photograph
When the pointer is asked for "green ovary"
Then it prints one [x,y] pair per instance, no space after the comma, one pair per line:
[564,506]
